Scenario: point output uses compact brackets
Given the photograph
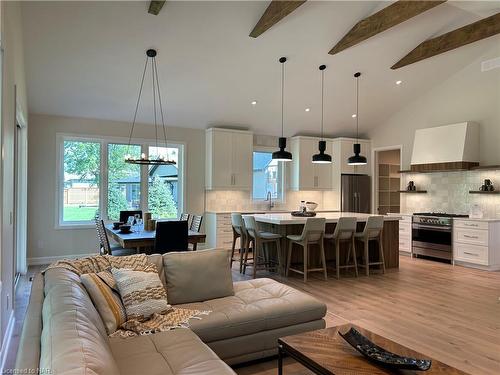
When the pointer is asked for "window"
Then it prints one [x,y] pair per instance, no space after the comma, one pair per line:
[124,180]
[81,177]
[267,176]
[94,178]
[163,184]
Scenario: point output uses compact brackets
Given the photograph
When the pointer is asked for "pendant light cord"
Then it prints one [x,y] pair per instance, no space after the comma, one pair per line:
[154,102]
[322,100]
[282,97]
[137,104]
[357,108]
[159,101]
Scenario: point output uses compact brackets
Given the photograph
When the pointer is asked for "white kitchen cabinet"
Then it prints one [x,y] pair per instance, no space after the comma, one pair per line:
[476,243]
[306,175]
[343,149]
[228,162]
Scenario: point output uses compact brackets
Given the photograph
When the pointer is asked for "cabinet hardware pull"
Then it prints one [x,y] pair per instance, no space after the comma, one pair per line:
[466,252]
[470,225]
[467,236]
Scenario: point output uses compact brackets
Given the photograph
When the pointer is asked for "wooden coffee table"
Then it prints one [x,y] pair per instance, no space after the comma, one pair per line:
[325,352]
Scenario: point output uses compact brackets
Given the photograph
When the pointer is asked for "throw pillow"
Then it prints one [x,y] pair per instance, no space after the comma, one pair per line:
[106,300]
[142,293]
[196,276]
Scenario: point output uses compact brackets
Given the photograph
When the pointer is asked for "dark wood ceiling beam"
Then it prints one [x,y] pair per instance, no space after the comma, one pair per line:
[275,12]
[471,33]
[155,7]
[384,19]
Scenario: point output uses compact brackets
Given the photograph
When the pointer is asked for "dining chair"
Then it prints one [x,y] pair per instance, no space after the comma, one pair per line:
[185,217]
[103,242]
[196,221]
[372,231]
[124,215]
[240,232]
[344,233]
[312,234]
[171,235]
[261,260]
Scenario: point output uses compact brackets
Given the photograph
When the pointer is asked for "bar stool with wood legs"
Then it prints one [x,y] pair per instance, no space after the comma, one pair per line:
[261,260]
[312,234]
[372,232]
[344,233]
[239,231]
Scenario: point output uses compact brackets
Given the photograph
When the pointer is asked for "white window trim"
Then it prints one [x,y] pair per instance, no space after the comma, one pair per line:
[283,180]
[103,197]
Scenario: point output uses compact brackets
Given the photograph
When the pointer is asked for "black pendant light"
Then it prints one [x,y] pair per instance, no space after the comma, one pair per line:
[282,154]
[357,159]
[160,160]
[321,157]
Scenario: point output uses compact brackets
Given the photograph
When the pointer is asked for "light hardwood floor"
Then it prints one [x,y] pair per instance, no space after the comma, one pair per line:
[450,313]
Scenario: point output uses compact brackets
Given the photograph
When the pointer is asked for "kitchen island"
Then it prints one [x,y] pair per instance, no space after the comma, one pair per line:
[286,224]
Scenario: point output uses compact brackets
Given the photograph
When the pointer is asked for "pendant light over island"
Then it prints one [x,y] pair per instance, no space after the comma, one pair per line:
[282,154]
[357,159]
[321,157]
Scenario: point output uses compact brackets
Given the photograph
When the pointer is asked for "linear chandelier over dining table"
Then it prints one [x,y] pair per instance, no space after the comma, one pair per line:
[157,106]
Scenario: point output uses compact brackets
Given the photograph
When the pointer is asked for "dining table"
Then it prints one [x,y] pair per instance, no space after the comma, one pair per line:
[138,238]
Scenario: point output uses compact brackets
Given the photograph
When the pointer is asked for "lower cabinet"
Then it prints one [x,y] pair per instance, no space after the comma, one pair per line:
[219,230]
[477,243]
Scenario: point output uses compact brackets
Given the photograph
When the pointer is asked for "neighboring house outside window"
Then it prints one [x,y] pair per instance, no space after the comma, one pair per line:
[267,176]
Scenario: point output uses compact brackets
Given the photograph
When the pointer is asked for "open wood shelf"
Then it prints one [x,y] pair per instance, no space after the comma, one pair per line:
[478,168]
[486,168]
[483,192]
[413,191]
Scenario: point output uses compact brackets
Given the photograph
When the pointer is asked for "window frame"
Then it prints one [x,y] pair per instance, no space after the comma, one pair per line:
[104,141]
[283,167]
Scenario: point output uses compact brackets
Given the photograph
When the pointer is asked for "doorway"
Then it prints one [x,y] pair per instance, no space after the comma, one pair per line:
[387,181]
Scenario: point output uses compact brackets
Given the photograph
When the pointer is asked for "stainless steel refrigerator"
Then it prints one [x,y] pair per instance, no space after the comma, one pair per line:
[355,192]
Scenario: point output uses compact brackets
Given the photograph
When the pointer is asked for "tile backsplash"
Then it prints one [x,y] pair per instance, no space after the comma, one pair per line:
[229,200]
[449,192]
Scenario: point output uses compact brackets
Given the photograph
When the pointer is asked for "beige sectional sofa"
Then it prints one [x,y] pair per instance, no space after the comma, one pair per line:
[64,334]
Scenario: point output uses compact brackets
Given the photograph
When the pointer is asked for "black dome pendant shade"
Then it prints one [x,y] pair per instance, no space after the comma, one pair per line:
[282,154]
[321,157]
[357,159]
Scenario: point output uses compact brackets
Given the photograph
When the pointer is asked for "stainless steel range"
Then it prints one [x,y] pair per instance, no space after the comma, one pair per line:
[432,234]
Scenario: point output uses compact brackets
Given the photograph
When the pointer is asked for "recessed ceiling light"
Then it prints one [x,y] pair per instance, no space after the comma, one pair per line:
[354,115]
[308,109]
[399,82]
[254,102]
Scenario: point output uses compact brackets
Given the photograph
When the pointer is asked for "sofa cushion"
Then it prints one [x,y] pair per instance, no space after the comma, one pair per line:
[142,293]
[196,276]
[73,340]
[258,305]
[178,351]
[106,300]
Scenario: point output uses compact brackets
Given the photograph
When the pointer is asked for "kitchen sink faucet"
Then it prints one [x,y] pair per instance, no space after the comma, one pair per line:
[270,200]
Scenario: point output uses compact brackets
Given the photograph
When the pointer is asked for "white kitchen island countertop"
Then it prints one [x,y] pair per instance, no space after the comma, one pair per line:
[331,217]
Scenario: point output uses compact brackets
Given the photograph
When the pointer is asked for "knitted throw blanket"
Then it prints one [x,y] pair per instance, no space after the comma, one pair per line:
[173,318]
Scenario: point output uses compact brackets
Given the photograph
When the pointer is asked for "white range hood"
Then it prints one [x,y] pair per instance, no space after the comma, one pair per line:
[449,147]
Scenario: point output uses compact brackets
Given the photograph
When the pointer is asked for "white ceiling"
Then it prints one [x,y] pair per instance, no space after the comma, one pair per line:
[84,59]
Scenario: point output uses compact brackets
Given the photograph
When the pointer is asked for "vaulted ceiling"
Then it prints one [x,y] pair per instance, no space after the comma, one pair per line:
[84,59]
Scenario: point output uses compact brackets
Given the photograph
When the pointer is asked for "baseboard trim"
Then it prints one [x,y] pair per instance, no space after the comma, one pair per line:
[39,261]
[6,341]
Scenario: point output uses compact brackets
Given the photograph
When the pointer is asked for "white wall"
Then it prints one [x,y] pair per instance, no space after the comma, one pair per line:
[469,95]
[44,241]
[13,76]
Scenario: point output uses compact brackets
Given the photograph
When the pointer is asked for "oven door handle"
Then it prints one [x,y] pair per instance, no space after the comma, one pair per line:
[431,227]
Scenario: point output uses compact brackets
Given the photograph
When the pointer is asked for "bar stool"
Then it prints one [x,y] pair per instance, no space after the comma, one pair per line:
[312,234]
[372,232]
[260,259]
[239,231]
[344,233]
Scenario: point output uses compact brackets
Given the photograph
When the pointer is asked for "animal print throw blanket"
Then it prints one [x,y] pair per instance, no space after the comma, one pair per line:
[172,318]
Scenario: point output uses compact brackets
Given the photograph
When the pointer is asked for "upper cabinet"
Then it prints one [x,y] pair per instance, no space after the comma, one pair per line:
[343,149]
[228,163]
[305,175]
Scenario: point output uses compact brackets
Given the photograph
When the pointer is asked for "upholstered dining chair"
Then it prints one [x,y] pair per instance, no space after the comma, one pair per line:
[372,231]
[103,242]
[124,215]
[261,260]
[312,234]
[171,236]
[344,233]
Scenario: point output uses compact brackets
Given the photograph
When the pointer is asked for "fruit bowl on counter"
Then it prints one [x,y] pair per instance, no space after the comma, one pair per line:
[311,206]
